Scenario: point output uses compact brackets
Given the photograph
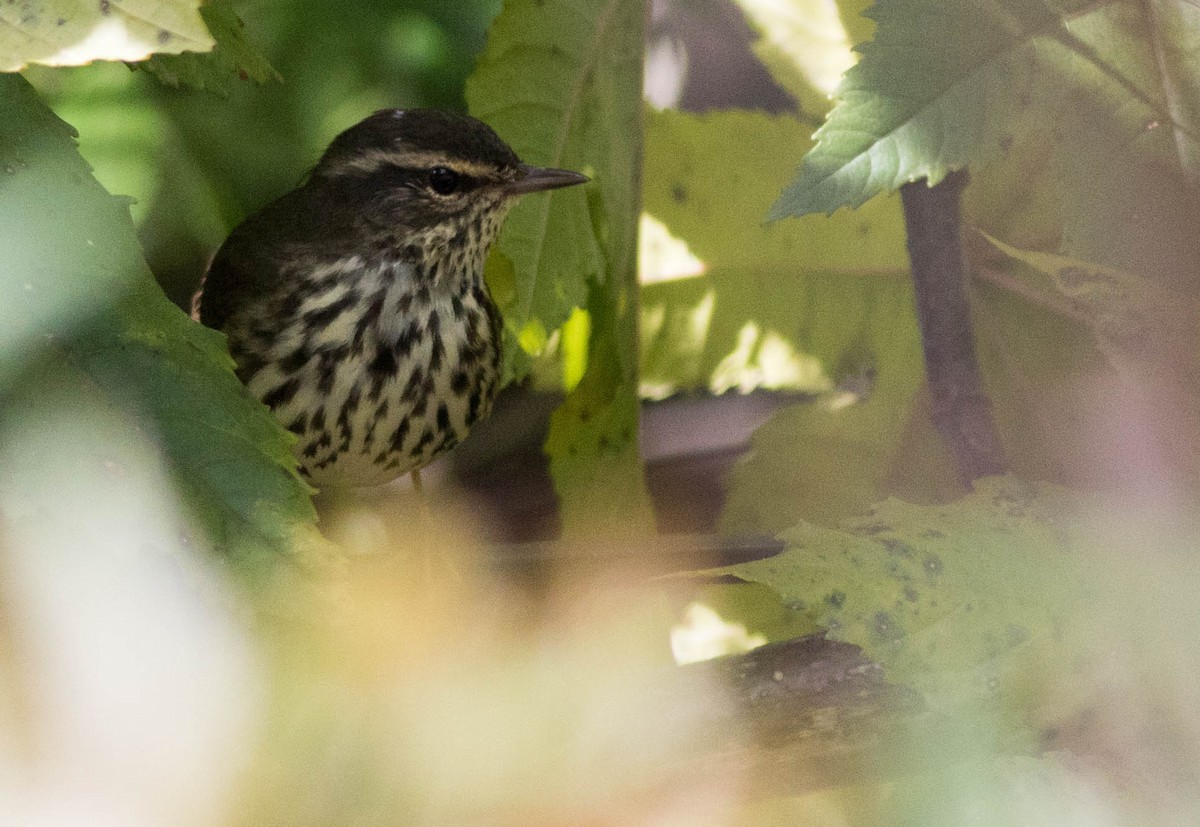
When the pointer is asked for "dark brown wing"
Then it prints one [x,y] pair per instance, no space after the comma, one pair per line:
[249,267]
[320,222]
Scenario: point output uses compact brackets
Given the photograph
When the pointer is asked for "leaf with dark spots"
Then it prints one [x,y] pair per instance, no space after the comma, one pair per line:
[984,594]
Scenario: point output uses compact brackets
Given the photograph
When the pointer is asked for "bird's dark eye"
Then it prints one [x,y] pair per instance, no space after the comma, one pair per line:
[443,180]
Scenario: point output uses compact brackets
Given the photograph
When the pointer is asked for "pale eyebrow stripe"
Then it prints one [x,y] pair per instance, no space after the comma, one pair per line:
[376,159]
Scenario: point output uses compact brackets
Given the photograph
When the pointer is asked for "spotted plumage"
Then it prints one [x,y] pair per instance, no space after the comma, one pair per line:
[355,305]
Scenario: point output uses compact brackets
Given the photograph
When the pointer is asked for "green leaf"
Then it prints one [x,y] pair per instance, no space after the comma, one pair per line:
[122,134]
[773,306]
[232,60]
[819,305]
[909,111]
[593,438]
[74,287]
[552,80]
[964,602]
[59,33]
[561,81]
[868,438]
[49,284]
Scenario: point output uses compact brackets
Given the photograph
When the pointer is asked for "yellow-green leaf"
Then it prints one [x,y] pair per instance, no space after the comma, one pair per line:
[71,33]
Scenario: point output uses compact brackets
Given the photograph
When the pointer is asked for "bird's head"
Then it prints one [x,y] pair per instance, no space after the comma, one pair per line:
[432,172]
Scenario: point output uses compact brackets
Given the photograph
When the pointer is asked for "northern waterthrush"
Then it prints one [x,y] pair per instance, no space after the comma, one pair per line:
[355,305]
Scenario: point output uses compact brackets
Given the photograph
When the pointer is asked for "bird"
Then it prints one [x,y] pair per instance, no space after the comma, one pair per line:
[355,306]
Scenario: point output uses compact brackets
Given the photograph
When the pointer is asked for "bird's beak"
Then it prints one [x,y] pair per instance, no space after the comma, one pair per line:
[537,179]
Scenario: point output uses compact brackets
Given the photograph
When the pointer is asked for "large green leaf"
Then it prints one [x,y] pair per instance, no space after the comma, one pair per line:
[946,85]
[561,81]
[73,287]
[774,306]
[61,33]
[553,81]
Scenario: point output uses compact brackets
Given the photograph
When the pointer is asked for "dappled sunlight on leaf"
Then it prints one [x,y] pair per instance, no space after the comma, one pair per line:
[767,360]
[773,277]
[662,256]
[71,34]
[573,348]
[563,101]
[573,99]
[805,45]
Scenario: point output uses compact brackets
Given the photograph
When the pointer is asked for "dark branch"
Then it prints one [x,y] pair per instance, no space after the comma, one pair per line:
[805,714]
[961,410]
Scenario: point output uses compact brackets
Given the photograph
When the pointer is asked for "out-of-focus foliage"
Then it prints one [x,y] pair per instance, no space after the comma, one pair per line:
[76,291]
[1137,323]
[69,34]
[545,95]
[414,710]
[561,81]
[125,666]
[1081,160]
